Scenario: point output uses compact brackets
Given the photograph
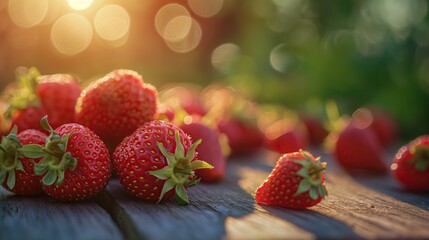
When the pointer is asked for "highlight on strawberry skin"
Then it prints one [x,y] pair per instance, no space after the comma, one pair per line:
[297,181]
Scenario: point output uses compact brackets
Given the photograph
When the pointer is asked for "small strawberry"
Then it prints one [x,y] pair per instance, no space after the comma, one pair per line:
[385,127]
[411,164]
[210,150]
[116,105]
[17,171]
[357,148]
[37,96]
[316,130]
[75,163]
[243,138]
[158,161]
[284,137]
[297,181]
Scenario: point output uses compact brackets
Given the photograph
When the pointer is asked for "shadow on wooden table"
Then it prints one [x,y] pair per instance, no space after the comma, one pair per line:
[387,185]
[314,222]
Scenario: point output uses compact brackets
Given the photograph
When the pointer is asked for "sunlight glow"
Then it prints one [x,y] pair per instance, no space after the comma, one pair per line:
[112,24]
[27,13]
[80,4]
[170,16]
[71,34]
[205,8]
[189,42]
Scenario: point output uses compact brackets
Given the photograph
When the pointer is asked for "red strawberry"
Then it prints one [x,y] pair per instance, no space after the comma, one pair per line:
[411,164]
[357,148]
[75,162]
[210,150]
[384,127]
[17,171]
[243,138]
[316,131]
[116,105]
[284,137]
[297,181]
[157,161]
[58,94]
[52,95]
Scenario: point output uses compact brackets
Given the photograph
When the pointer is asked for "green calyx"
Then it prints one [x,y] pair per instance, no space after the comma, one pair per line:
[180,170]
[55,158]
[312,174]
[10,155]
[421,157]
[25,94]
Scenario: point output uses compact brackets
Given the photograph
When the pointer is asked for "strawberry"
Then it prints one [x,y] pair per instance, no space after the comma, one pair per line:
[297,181]
[357,148]
[411,164]
[243,138]
[384,127]
[116,105]
[284,137]
[58,94]
[16,170]
[210,150]
[52,95]
[158,161]
[75,163]
[316,130]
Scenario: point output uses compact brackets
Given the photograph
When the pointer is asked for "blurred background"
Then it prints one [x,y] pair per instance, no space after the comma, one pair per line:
[297,53]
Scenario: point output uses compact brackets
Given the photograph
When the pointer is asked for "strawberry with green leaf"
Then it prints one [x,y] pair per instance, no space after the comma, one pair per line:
[39,95]
[75,163]
[16,170]
[158,161]
[410,165]
[297,181]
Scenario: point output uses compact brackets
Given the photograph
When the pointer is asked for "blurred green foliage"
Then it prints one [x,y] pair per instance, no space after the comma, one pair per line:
[359,53]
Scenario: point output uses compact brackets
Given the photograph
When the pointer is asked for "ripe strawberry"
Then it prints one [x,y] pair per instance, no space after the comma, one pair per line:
[52,95]
[116,105]
[243,138]
[411,164]
[297,181]
[75,162]
[284,137]
[316,131]
[357,149]
[17,171]
[158,161]
[58,94]
[210,150]
[384,127]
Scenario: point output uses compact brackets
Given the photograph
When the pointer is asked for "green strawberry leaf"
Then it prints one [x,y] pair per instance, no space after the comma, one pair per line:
[60,177]
[40,169]
[32,151]
[313,193]
[163,174]
[2,175]
[168,185]
[304,186]
[19,166]
[50,177]
[181,195]
[11,179]
[171,159]
[198,164]
[180,151]
[45,124]
[191,152]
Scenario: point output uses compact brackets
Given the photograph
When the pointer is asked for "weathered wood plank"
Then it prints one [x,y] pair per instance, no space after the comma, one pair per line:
[356,208]
[43,218]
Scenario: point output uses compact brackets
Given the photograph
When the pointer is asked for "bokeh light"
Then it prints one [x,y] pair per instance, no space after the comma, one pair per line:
[205,8]
[80,4]
[112,24]
[169,16]
[189,42]
[177,28]
[223,55]
[27,13]
[71,34]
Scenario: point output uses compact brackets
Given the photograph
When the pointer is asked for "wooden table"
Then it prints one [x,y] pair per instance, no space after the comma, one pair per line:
[357,207]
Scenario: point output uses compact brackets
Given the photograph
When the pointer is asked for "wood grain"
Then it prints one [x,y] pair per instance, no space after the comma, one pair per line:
[43,218]
[357,207]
